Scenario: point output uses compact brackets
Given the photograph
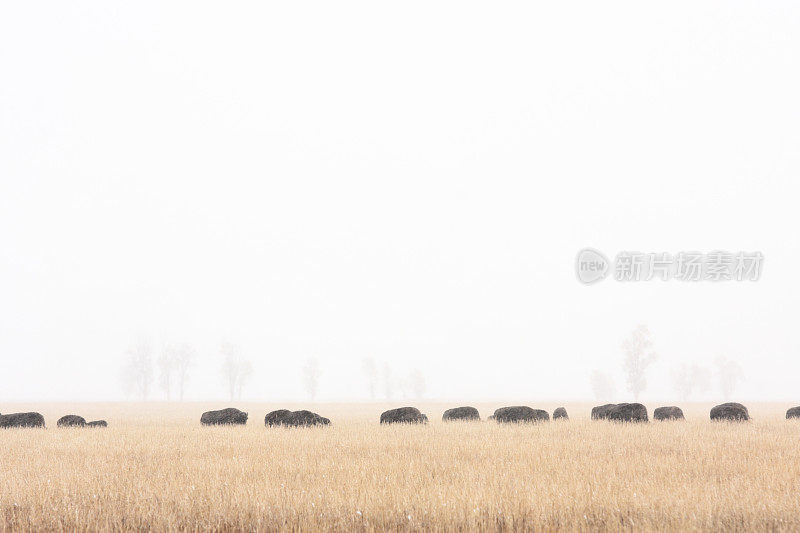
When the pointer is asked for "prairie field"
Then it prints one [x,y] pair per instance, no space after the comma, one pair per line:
[156,468]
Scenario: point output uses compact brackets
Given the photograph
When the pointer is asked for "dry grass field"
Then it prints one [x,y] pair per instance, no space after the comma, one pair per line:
[156,468]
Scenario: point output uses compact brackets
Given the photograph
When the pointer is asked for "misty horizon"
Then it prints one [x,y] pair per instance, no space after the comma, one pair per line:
[383,192]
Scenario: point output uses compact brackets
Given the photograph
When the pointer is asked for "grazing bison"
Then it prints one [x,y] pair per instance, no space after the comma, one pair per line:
[628,412]
[71,421]
[730,411]
[403,415]
[277,418]
[307,418]
[668,413]
[521,413]
[284,417]
[560,414]
[601,411]
[223,417]
[22,420]
[97,424]
[794,412]
[461,413]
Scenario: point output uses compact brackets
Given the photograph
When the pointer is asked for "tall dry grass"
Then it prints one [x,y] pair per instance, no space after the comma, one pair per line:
[156,468]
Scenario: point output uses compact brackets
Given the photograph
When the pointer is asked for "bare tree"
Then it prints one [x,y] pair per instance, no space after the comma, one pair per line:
[166,369]
[184,356]
[235,370]
[638,356]
[602,386]
[245,371]
[388,382]
[416,382]
[371,373]
[688,379]
[137,373]
[411,385]
[729,373]
[311,373]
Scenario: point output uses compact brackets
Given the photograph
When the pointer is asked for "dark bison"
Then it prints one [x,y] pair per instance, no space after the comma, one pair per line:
[730,411]
[620,412]
[560,414]
[521,413]
[628,412]
[284,417]
[307,418]
[223,417]
[403,415]
[668,413]
[277,418]
[794,412]
[97,424]
[71,421]
[601,411]
[22,420]
[461,413]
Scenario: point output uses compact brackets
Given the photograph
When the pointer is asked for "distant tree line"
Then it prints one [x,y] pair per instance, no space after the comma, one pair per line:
[411,385]
[687,379]
[175,363]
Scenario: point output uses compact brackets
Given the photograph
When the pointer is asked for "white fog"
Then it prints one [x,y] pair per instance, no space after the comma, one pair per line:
[304,186]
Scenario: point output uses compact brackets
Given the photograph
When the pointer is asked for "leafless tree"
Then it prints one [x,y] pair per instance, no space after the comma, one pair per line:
[371,373]
[245,371]
[166,369]
[184,356]
[411,385]
[137,373]
[729,374]
[236,370]
[416,383]
[688,379]
[311,373]
[638,356]
[388,382]
[602,386]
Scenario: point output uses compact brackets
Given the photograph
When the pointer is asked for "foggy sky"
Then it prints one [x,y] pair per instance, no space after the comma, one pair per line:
[408,182]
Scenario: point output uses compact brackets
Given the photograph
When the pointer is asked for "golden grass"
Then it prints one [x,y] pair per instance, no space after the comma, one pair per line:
[156,468]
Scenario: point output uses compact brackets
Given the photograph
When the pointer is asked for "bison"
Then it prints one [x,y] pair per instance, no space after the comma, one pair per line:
[461,413]
[560,414]
[277,418]
[628,412]
[731,411]
[284,417]
[521,413]
[22,420]
[668,413]
[620,412]
[601,411]
[223,417]
[403,415]
[68,421]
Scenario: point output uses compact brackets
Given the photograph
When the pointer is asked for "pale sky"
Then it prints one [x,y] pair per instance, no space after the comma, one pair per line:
[405,181]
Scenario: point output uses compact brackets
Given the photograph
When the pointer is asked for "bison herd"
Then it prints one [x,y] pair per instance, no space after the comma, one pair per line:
[619,412]
[79,422]
[36,420]
[284,417]
[616,412]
